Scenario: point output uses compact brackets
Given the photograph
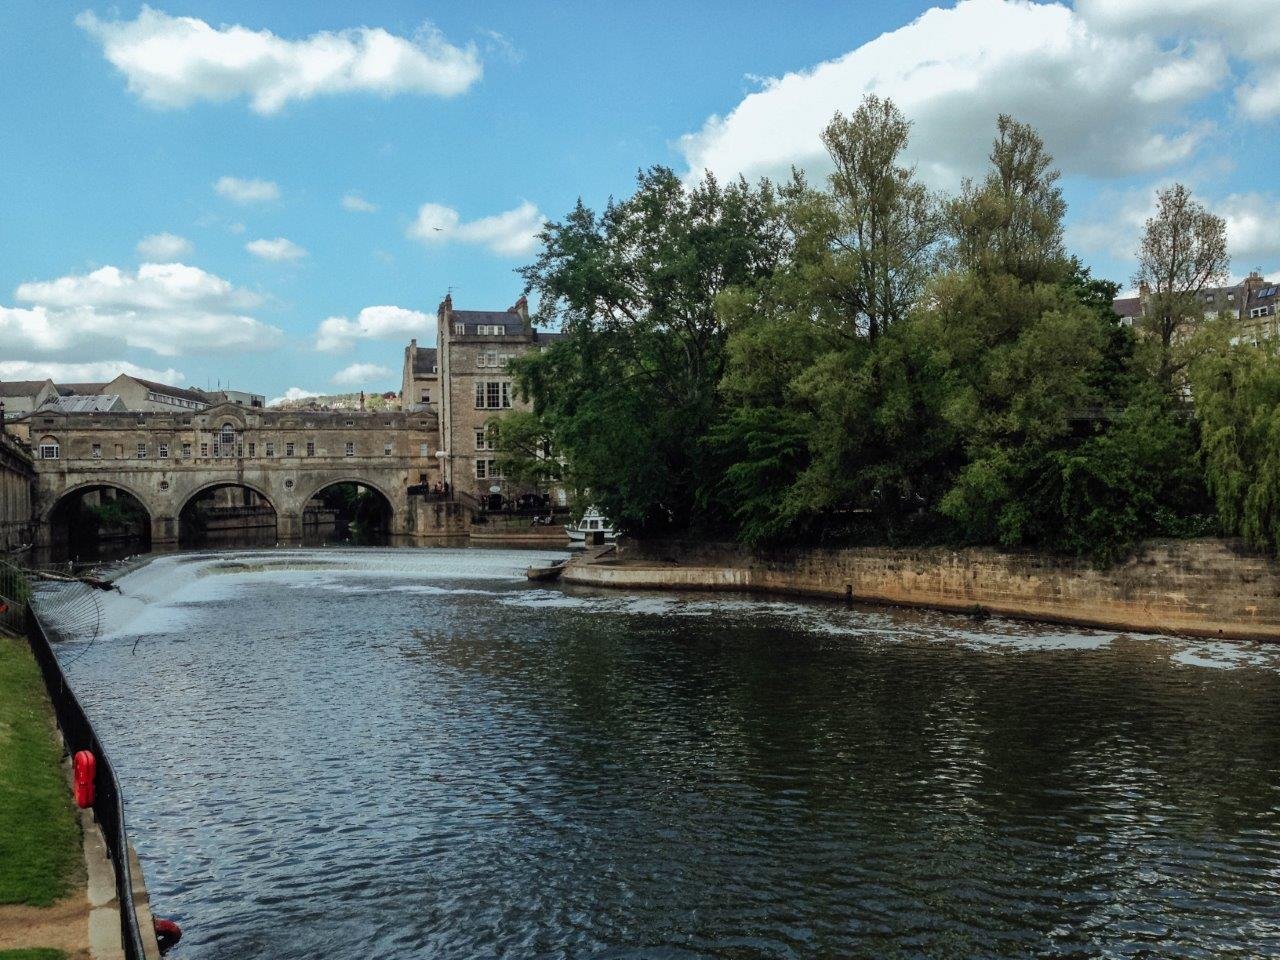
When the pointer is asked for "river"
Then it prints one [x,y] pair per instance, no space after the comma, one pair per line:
[417,754]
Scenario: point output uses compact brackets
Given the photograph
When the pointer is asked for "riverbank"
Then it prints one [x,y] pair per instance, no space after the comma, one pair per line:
[43,903]
[1206,588]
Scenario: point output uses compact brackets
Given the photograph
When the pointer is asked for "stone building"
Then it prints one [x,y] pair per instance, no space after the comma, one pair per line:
[1255,302]
[420,383]
[474,386]
[17,479]
[20,397]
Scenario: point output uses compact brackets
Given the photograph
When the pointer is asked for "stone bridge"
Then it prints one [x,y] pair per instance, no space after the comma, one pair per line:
[166,460]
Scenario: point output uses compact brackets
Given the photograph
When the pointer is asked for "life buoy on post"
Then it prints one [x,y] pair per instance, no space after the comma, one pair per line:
[168,934]
[85,766]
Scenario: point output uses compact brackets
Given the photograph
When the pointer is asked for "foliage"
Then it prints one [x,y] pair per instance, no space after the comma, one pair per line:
[1183,251]
[870,362]
[1237,390]
[630,392]
[525,448]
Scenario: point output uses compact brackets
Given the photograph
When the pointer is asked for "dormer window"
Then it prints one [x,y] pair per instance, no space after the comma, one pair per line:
[460,329]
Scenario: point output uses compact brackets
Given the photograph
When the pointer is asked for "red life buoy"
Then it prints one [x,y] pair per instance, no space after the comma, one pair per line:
[168,934]
[85,765]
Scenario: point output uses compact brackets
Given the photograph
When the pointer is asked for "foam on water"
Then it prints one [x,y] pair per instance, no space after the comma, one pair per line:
[168,593]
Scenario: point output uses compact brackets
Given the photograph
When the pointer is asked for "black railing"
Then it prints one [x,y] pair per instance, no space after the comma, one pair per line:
[108,805]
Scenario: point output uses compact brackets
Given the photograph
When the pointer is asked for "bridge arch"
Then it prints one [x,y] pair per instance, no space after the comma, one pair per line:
[248,516]
[377,518]
[75,519]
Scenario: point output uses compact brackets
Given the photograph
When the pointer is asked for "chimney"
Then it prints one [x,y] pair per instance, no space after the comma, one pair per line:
[2,424]
[1144,289]
[361,401]
[521,307]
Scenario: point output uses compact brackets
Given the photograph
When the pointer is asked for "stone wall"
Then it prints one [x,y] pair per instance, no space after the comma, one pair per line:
[1200,587]
[17,479]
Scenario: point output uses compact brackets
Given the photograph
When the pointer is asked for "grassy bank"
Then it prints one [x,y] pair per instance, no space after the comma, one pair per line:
[39,834]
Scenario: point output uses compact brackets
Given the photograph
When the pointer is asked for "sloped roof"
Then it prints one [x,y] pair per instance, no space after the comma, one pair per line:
[83,389]
[1128,307]
[424,362]
[21,388]
[510,321]
[85,403]
[198,395]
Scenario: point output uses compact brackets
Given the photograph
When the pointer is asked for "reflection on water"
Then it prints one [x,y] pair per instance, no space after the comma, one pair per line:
[407,754]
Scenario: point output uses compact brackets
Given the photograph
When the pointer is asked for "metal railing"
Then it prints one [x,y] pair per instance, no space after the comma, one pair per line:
[108,804]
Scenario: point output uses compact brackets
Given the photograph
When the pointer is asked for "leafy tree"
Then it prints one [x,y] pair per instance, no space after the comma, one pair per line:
[884,222]
[1237,391]
[631,391]
[1183,251]
[525,448]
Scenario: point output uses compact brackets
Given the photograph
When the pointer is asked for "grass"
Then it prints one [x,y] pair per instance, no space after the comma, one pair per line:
[36,953]
[39,833]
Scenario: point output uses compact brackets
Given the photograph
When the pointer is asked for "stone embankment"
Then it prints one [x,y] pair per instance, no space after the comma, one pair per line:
[1210,588]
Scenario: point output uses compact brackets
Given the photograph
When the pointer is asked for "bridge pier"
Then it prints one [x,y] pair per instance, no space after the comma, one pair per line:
[164,530]
[288,526]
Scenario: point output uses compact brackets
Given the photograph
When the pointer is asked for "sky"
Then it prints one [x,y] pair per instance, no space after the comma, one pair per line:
[275,196]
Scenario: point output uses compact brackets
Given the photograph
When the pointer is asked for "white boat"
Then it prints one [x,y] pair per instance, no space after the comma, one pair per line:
[593,521]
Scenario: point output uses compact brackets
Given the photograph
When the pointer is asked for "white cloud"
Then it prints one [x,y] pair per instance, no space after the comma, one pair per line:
[1249,29]
[167,308]
[1253,237]
[360,374]
[373,323]
[176,61]
[512,233]
[164,246]
[293,393]
[1106,104]
[90,372]
[247,191]
[357,204]
[278,250]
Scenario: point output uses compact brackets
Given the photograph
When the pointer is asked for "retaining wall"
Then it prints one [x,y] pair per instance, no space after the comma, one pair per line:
[1198,587]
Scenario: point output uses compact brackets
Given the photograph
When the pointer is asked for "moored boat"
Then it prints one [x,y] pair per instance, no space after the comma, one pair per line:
[592,522]
[549,572]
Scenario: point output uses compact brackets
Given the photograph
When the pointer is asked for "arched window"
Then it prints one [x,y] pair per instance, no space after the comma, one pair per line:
[49,448]
[228,436]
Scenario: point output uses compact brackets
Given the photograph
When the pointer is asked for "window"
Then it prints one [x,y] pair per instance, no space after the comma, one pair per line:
[163,451]
[217,449]
[204,450]
[228,436]
[488,469]
[351,449]
[253,449]
[311,448]
[271,449]
[480,469]
[387,448]
[480,440]
[460,329]
[142,451]
[96,451]
[186,451]
[425,396]
[351,423]
[493,394]
[487,360]
[240,450]
[49,449]
[424,449]
[288,449]
[491,330]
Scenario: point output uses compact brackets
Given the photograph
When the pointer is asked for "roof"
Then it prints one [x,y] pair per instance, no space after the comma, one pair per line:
[85,403]
[549,336]
[1127,306]
[82,389]
[512,323]
[424,361]
[182,392]
[21,388]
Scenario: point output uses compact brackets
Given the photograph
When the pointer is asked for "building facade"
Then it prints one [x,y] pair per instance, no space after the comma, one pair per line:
[474,386]
[1254,302]
[17,481]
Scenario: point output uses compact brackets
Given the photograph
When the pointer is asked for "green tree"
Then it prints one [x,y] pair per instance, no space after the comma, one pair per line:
[1183,251]
[631,391]
[1237,391]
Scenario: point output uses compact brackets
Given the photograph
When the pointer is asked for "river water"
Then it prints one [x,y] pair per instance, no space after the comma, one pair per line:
[417,754]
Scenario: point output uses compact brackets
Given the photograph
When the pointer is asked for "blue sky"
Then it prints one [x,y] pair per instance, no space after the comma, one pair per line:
[173,179]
